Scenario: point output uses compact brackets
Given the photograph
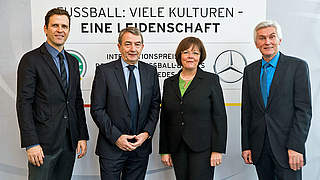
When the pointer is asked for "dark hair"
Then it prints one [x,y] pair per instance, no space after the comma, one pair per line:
[55,11]
[132,30]
[188,42]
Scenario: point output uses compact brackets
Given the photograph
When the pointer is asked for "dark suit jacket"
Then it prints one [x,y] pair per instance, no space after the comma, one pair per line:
[43,108]
[287,115]
[199,117]
[110,108]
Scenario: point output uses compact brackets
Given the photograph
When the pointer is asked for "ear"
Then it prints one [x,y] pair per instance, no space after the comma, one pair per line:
[280,40]
[119,46]
[45,29]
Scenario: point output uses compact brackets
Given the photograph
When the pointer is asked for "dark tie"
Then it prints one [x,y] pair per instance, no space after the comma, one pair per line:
[133,99]
[264,88]
[63,72]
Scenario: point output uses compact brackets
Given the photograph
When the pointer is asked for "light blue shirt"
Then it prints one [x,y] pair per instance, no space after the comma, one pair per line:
[136,73]
[54,53]
[270,70]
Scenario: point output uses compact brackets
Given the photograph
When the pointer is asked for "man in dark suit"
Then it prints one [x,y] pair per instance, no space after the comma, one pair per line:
[49,104]
[276,109]
[125,103]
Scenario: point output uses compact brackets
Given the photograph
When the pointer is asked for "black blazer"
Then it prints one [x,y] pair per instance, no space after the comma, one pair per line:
[288,112]
[110,108]
[43,108]
[199,117]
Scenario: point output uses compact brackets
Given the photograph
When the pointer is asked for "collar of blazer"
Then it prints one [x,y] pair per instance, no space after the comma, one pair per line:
[121,79]
[280,72]
[195,82]
[48,59]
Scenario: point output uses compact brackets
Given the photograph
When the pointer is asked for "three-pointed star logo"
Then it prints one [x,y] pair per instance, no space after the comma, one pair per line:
[229,65]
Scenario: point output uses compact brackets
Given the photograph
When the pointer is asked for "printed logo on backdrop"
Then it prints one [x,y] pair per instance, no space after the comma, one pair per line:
[229,65]
[82,62]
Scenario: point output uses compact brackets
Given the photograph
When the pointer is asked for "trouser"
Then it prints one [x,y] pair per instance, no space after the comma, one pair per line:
[58,166]
[190,165]
[269,169]
[128,167]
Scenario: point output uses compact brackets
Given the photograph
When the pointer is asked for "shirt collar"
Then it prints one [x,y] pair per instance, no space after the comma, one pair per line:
[124,64]
[53,51]
[273,62]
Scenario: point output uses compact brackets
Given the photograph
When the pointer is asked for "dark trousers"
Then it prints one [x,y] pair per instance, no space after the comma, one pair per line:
[58,166]
[189,165]
[128,167]
[269,169]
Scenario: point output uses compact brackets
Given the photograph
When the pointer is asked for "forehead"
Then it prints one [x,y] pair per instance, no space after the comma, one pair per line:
[266,31]
[129,37]
[59,19]
[192,47]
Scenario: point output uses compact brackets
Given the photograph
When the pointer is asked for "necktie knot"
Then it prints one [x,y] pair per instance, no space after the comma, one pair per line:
[131,67]
[266,65]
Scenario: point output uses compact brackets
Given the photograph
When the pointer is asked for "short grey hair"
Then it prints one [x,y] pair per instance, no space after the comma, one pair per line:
[265,24]
[132,30]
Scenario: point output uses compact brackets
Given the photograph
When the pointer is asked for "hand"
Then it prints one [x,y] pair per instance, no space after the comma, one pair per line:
[247,157]
[140,139]
[166,160]
[215,159]
[35,155]
[295,160]
[124,144]
[82,148]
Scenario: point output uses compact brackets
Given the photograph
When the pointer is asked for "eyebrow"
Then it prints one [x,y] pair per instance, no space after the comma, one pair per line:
[268,34]
[133,42]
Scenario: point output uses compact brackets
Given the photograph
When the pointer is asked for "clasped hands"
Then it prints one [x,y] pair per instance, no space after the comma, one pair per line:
[124,143]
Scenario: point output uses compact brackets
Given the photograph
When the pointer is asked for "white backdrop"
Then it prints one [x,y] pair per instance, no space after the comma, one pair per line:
[300,22]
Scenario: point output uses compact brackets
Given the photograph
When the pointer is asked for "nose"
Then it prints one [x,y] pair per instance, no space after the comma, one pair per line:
[133,48]
[190,55]
[59,29]
[268,41]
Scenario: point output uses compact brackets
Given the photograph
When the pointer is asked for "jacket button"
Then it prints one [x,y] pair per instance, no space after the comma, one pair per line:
[181,113]
[182,123]
[65,116]
[181,102]
[67,102]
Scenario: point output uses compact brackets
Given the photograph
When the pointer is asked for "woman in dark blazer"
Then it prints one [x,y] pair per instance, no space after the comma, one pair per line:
[193,122]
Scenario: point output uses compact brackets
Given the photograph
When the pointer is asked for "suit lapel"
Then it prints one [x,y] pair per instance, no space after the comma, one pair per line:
[281,70]
[175,85]
[195,82]
[118,71]
[48,59]
[256,80]
[143,81]
[72,73]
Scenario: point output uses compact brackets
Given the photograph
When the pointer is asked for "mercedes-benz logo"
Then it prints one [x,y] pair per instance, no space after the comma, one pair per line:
[229,65]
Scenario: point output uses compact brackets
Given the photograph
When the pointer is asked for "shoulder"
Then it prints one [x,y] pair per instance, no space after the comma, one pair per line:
[147,66]
[253,65]
[171,78]
[207,75]
[109,65]
[31,56]
[293,60]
